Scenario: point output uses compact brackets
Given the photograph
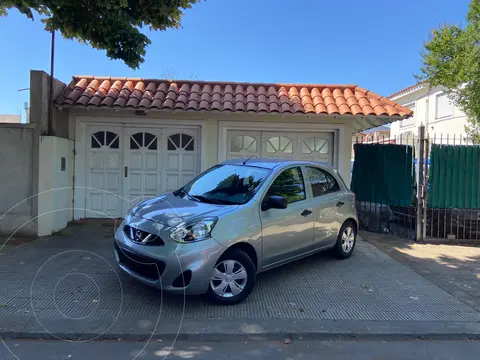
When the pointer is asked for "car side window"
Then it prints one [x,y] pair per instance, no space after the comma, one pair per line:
[290,185]
[321,181]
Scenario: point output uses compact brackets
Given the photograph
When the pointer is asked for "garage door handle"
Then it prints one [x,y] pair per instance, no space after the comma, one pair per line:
[340,203]
[126,171]
[306,212]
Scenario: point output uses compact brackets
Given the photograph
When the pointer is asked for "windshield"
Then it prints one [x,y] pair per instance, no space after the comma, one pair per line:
[225,184]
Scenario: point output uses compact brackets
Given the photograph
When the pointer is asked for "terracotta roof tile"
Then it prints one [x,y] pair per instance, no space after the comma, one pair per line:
[136,95]
[262,107]
[147,96]
[220,96]
[273,107]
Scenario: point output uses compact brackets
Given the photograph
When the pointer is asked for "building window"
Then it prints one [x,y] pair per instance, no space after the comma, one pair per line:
[444,107]
[411,120]
[180,141]
[104,139]
[279,144]
[243,142]
[143,140]
[315,144]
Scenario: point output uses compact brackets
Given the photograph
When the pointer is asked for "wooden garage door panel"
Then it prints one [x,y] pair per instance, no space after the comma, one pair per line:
[142,156]
[125,165]
[317,147]
[181,153]
[103,178]
[279,145]
[243,144]
[312,146]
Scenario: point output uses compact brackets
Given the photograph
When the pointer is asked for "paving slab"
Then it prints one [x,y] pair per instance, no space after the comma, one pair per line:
[70,285]
[453,267]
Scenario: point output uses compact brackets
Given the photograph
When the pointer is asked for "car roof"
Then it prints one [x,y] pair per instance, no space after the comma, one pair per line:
[272,163]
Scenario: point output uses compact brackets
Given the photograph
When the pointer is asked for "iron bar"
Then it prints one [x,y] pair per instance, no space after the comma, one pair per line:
[420,156]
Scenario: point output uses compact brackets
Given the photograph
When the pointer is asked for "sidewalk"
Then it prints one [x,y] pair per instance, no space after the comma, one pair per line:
[68,286]
[454,268]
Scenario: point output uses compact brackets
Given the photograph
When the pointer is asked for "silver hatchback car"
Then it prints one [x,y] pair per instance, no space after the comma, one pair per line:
[233,221]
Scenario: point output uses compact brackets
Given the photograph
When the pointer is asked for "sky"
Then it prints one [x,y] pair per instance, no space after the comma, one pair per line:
[375,44]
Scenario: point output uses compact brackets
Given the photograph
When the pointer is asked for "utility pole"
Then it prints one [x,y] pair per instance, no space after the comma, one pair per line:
[50,94]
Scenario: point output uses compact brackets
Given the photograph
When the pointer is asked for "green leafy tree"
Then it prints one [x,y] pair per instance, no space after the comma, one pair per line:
[111,25]
[451,58]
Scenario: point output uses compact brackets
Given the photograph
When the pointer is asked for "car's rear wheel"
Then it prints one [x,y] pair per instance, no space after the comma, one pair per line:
[232,279]
[346,240]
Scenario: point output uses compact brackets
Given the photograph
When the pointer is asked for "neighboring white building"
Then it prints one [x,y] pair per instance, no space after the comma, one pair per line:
[432,108]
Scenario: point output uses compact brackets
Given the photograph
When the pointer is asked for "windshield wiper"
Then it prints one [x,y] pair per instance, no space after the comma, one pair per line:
[204,199]
[211,200]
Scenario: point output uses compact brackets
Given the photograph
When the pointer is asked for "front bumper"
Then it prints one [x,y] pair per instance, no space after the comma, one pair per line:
[161,266]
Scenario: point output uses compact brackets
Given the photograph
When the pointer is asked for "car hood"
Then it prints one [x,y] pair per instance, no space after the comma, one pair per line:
[171,210]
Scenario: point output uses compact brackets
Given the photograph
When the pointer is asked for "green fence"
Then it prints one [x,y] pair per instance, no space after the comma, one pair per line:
[383,174]
[454,177]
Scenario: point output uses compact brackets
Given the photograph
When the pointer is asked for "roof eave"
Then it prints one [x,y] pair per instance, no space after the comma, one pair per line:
[369,119]
[408,90]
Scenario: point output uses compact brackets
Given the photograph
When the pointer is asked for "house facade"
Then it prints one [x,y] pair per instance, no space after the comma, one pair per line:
[432,108]
[137,138]
[111,142]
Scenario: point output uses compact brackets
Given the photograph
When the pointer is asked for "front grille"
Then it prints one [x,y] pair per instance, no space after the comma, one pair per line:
[141,264]
[142,237]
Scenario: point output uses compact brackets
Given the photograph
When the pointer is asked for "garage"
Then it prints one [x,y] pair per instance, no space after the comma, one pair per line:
[127,164]
[138,138]
[313,146]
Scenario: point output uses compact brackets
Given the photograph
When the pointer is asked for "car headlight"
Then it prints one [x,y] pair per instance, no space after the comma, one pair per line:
[196,231]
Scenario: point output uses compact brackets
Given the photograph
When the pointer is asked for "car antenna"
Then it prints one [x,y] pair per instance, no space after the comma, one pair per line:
[248,159]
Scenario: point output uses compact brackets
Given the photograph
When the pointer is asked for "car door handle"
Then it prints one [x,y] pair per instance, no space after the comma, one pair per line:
[340,203]
[306,212]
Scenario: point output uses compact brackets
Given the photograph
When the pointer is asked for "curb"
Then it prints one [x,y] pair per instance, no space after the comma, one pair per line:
[248,329]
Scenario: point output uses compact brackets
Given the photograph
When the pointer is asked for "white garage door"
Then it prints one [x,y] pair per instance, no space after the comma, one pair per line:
[129,164]
[313,146]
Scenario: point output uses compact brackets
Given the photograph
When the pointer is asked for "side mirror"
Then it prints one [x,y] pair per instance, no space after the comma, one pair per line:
[274,202]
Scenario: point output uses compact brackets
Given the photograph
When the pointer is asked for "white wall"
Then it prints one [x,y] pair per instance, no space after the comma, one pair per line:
[425,106]
[55,185]
[17,180]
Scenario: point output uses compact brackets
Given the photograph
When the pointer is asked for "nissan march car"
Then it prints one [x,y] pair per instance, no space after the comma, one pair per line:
[233,221]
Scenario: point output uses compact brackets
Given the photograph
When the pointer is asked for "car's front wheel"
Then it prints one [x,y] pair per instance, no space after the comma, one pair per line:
[232,279]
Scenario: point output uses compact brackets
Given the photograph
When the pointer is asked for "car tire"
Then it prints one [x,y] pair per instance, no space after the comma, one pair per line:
[232,264]
[346,240]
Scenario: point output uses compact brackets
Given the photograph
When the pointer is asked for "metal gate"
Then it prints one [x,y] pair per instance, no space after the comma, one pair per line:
[446,172]
[383,180]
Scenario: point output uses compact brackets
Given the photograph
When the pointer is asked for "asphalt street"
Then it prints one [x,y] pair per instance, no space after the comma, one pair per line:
[255,349]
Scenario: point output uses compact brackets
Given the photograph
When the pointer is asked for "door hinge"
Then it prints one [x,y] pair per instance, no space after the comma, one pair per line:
[74,152]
